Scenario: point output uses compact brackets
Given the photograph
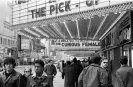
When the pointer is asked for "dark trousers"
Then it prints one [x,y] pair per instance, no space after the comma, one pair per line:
[51,77]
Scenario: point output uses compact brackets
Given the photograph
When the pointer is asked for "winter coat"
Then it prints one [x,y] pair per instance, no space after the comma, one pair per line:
[43,81]
[69,74]
[14,80]
[77,70]
[124,76]
[92,76]
[50,70]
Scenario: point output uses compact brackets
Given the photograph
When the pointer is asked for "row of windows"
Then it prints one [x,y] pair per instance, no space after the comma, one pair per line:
[7,42]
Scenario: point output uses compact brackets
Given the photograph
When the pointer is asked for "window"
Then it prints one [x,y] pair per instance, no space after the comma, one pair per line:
[0,40]
[8,42]
[5,41]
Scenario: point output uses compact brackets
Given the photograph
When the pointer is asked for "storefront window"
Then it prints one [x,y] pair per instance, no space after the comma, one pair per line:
[126,53]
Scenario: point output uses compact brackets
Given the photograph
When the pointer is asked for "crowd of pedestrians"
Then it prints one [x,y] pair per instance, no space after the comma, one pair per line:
[75,74]
[71,72]
[42,77]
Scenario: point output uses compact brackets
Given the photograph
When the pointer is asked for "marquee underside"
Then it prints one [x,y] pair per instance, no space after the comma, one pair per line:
[87,25]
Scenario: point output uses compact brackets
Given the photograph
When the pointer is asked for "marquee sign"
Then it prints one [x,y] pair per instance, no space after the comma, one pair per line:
[59,8]
[42,9]
[74,43]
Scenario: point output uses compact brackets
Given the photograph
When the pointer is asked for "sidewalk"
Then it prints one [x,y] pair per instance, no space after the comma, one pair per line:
[58,81]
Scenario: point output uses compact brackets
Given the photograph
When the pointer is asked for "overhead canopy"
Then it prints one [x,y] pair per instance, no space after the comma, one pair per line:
[82,20]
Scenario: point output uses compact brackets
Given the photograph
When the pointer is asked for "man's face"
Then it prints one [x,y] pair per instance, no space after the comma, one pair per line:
[9,67]
[51,62]
[105,63]
[38,68]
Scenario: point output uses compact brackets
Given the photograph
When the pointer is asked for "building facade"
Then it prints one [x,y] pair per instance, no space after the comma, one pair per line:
[7,34]
[118,42]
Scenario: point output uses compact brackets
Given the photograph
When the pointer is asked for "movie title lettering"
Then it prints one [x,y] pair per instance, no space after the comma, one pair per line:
[57,8]
[92,2]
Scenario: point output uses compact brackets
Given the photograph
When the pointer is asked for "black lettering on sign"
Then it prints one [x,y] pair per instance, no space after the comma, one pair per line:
[92,2]
[37,13]
[52,9]
[56,8]
[96,2]
[67,6]
[32,12]
[61,7]
[43,11]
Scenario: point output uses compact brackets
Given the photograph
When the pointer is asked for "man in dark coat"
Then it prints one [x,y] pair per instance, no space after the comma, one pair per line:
[77,70]
[39,78]
[124,74]
[50,70]
[68,73]
[9,77]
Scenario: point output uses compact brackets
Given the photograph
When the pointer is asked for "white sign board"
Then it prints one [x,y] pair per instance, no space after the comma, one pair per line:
[75,45]
[42,9]
[25,44]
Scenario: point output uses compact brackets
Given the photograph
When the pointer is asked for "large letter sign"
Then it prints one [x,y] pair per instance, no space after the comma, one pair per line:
[57,8]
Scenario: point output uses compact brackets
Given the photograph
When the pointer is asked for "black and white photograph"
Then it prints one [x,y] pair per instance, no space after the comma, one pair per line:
[66,43]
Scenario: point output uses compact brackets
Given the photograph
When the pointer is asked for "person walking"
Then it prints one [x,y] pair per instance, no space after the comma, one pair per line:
[39,78]
[93,75]
[105,66]
[62,68]
[68,74]
[77,70]
[10,77]
[50,70]
[124,74]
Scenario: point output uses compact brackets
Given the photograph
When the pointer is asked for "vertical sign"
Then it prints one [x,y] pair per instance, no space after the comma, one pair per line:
[19,42]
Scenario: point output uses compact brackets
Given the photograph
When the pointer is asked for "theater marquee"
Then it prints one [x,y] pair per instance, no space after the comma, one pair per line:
[35,10]
[75,44]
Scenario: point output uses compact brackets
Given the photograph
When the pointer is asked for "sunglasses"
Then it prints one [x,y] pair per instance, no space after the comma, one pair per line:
[105,62]
[26,71]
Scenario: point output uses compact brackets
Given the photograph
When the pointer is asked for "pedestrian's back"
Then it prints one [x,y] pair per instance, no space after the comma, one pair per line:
[93,75]
[126,74]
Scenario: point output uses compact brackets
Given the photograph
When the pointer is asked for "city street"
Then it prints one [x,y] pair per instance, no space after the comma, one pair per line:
[58,81]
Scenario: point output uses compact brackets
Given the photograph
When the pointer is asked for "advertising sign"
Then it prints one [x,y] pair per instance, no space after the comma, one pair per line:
[75,44]
[30,10]
[25,44]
